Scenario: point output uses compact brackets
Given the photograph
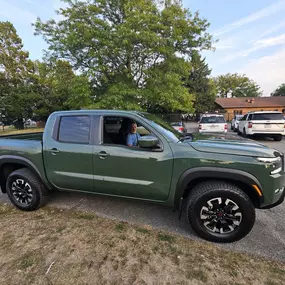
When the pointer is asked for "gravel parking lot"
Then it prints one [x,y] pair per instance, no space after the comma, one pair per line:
[266,239]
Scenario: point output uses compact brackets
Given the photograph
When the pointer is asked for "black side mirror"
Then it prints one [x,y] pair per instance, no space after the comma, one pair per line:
[148,142]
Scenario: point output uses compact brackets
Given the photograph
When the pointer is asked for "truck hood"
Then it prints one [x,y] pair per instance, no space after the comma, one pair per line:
[230,144]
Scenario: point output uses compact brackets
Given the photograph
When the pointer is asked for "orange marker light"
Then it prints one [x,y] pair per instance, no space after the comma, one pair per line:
[257,189]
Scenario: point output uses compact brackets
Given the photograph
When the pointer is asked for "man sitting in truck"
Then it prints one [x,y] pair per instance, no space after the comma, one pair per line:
[133,136]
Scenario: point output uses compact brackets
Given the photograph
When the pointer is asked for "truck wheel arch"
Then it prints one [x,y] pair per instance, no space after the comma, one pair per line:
[9,163]
[193,176]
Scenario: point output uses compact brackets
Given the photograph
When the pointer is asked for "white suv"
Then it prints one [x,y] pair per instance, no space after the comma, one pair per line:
[266,124]
[213,123]
[235,122]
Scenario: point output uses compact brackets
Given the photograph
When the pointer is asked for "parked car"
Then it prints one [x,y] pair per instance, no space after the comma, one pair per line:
[235,122]
[180,127]
[216,182]
[213,123]
[262,124]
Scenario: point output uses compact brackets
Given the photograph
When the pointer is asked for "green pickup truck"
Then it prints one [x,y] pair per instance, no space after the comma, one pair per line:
[216,181]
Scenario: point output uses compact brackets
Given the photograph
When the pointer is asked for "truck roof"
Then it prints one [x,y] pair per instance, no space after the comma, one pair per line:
[101,111]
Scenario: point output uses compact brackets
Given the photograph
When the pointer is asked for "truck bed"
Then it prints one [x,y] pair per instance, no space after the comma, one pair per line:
[28,136]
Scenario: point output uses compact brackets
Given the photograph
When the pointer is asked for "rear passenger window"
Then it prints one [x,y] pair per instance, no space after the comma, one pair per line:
[268,116]
[74,129]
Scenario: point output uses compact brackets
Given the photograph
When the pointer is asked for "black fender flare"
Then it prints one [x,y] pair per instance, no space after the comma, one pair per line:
[211,173]
[14,159]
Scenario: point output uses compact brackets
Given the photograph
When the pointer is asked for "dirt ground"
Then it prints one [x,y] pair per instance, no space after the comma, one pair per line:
[56,246]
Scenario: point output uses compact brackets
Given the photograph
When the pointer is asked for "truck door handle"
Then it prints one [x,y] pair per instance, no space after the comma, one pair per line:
[54,151]
[103,154]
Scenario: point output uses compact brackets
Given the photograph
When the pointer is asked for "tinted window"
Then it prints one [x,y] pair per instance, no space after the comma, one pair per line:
[74,129]
[268,116]
[243,118]
[212,120]
[250,117]
[176,124]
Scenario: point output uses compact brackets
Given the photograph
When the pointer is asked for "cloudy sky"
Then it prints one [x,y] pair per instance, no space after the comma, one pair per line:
[251,34]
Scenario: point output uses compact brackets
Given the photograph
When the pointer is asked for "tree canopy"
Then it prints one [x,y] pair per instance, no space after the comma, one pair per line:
[35,89]
[199,83]
[280,91]
[17,76]
[236,85]
[135,53]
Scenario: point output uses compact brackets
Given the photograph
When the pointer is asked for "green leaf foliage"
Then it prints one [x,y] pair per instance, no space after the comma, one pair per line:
[280,91]
[200,85]
[135,54]
[18,93]
[236,85]
[35,89]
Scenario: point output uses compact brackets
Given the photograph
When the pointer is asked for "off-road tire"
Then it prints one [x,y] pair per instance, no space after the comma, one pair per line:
[38,191]
[208,190]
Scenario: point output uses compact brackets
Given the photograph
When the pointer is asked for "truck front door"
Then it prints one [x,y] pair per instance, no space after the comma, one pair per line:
[68,153]
[130,171]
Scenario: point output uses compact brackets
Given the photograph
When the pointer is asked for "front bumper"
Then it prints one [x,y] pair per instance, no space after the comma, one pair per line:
[278,202]
[273,197]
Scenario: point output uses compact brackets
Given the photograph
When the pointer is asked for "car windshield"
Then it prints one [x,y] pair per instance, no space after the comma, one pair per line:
[176,124]
[268,116]
[163,127]
[212,120]
[238,117]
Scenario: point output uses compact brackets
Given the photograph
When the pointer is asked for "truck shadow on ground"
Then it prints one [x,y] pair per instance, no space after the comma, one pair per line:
[267,238]
[132,211]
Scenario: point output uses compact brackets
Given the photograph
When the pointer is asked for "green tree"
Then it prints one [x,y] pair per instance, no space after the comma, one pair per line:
[133,51]
[17,75]
[236,85]
[199,84]
[60,89]
[280,91]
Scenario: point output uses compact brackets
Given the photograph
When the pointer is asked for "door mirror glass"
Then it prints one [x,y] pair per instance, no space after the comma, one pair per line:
[148,142]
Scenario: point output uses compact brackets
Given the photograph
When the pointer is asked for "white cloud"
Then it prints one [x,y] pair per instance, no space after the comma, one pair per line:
[272,41]
[273,29]
[256,45]
[263,13]
[15,14]
[268,71]
[221,46]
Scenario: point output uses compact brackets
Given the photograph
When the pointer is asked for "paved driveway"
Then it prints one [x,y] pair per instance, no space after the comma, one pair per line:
[266,239]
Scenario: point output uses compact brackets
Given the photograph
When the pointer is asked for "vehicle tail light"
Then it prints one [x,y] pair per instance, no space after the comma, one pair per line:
[226,126]
[250,124]
[200,127]
[181,129]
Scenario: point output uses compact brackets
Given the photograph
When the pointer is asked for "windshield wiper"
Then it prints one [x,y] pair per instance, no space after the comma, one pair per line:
[185,138]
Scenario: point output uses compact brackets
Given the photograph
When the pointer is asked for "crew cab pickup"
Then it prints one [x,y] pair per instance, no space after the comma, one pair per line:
[217,182]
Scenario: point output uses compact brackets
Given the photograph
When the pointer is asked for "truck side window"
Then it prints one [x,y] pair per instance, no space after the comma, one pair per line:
[115,130]
[74,129]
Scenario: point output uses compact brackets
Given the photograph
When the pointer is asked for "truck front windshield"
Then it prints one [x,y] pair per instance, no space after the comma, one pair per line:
[163,127]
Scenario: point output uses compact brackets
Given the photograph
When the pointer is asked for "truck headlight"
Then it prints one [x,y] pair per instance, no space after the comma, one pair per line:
[276,163]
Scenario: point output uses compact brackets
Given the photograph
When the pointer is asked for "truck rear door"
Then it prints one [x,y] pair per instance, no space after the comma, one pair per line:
[68,152]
